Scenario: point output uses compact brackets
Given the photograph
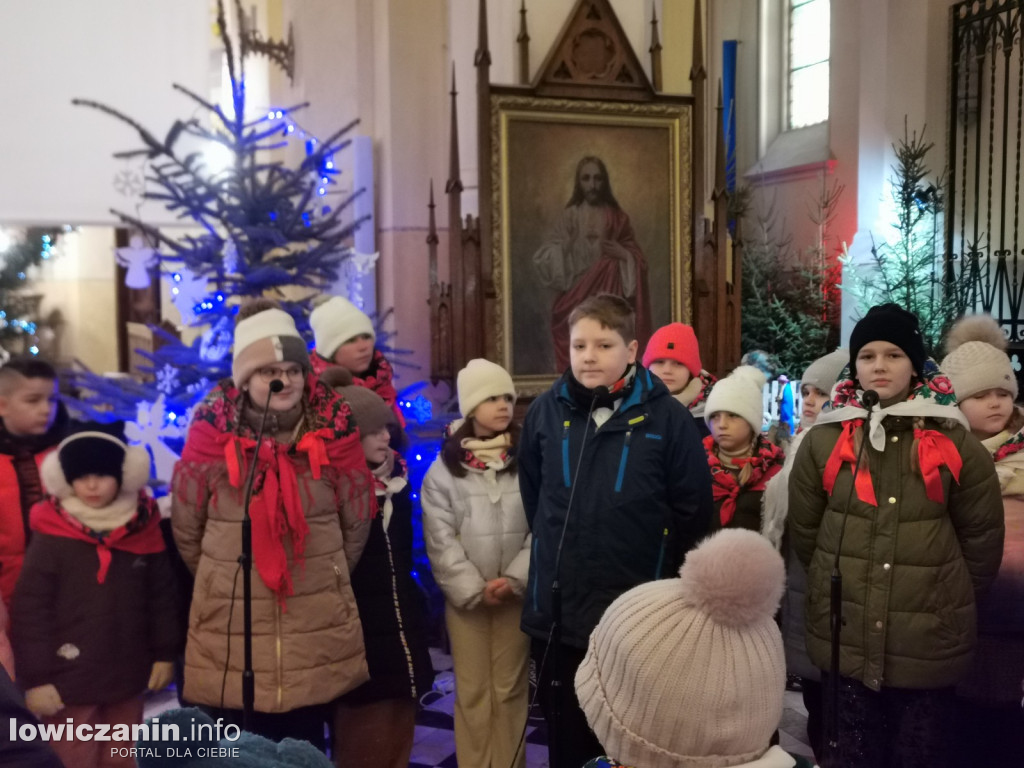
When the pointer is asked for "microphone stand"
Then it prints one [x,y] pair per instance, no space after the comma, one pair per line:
[557,689]
[870,400]
[245,560]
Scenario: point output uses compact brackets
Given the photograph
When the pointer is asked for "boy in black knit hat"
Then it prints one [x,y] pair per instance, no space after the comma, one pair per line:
[94,614]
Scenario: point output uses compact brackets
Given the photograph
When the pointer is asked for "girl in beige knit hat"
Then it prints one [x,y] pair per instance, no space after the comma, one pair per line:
[990,718]
[478,543]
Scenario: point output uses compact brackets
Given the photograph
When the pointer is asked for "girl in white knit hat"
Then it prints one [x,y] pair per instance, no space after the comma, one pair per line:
[690,672]
[478,543]
[345,336]
[991,724]
[740,459]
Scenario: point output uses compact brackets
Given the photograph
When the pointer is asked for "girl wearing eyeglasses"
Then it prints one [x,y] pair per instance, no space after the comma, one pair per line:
[310,519]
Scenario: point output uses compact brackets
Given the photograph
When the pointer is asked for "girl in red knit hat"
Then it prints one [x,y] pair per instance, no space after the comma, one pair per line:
[673,355]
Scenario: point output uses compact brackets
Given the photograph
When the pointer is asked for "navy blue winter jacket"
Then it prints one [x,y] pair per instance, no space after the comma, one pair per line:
[643,500]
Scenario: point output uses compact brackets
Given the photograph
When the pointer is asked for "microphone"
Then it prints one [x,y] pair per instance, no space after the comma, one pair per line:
[869,399]
[245,561]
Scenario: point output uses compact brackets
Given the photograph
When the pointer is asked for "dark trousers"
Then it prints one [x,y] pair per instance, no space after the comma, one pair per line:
[989,736]
[304,723]
[891,728]
[814,704]
[578,744]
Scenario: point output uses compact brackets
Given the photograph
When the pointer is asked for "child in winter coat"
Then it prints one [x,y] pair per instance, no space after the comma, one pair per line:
[479,549]
[815,384]
[923,534]
[95,615]
[344,336]
[690,671]
[34,421]
[673,356]
[991,724]
[375,723]
[740,459]
[311,506]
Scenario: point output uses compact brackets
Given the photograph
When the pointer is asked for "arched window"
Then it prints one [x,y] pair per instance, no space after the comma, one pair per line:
[807,63]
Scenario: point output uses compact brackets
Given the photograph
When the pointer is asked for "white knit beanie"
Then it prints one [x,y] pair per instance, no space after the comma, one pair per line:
[976,358]
[823,373]
[336,321]
[266,338]
[742,393]
[479,380]
[691,671]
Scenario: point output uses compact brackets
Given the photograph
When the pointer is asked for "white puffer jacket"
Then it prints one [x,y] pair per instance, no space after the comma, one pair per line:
[475,530]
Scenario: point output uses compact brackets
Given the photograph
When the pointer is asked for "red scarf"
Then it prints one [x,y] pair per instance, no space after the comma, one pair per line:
[380,381]
[1010,447]
[934,449]
[276,508]
[139,536]
[725,486]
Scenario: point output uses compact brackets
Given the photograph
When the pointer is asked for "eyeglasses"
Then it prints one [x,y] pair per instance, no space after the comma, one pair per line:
[267,375]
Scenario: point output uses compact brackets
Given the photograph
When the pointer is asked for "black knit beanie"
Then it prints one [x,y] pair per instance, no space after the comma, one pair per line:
[892,323]
[94,449]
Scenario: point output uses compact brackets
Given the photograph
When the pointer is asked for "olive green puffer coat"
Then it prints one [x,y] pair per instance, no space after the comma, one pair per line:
[910,566]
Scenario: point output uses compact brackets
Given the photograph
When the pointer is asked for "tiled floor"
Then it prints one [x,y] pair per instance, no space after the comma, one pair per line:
[435,738]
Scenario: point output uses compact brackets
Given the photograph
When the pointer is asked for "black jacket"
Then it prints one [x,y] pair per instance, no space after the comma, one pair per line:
[642,501]
[392,610]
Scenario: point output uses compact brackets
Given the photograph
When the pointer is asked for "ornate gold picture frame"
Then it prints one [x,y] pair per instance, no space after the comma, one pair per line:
[559,235]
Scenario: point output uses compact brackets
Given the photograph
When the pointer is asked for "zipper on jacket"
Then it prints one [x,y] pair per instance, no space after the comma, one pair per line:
[398,616]
[622,461]
[565,453]
[280,667]
[337,575]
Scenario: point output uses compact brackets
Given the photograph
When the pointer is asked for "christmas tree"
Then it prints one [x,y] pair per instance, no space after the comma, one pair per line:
[22,330]
[261,229]
[908,269]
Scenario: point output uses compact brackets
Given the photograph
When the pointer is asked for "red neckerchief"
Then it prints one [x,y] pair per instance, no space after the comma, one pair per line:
[380,381]
[934,449]
[1010,447]
[276,508]
[725,487]
[139,536]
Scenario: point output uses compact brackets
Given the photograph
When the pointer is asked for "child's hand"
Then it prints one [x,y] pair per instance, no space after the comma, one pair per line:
[504,592]
[161,675]
[491,596]
[43,701]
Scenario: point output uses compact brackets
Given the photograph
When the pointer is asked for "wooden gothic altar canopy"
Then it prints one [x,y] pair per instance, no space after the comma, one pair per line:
[590,98]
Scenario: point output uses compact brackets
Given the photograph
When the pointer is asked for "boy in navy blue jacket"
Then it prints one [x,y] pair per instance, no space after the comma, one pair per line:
[610,437]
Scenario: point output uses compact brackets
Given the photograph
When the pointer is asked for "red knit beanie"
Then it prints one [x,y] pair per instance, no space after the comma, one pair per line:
[674,342]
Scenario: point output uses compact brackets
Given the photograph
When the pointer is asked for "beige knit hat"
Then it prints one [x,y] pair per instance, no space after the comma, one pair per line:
[742,393]
[823,373]
[976,357]
[267,337]
[479,380]
[336,321]
[691,671]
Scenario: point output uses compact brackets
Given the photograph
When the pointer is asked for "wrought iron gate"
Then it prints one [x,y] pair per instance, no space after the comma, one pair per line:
[984,231]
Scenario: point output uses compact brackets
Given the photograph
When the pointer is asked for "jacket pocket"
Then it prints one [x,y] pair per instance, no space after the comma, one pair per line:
[339,584]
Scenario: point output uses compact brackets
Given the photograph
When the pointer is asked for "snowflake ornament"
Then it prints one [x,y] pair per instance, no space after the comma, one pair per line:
[129,182]
[153,424]
[167,379]
[138,258]
[188,290]
[419,409]
[1015,363]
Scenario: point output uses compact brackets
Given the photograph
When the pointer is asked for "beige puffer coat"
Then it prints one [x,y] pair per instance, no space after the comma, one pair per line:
[308,651]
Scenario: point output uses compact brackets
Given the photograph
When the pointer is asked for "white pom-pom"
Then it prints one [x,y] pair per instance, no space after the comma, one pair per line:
[736,577]
[976,328]
[752,374]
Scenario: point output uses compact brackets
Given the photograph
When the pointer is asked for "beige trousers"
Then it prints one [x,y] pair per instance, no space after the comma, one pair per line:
[491,658]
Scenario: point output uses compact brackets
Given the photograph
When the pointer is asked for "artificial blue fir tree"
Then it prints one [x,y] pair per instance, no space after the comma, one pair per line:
[20,324]
[262,227]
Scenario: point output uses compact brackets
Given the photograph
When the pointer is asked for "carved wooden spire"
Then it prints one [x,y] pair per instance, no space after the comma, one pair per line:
[454,181]
[432,238]
[483,54]
[697,70]
[720,187]
[655,50]
[524,47]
